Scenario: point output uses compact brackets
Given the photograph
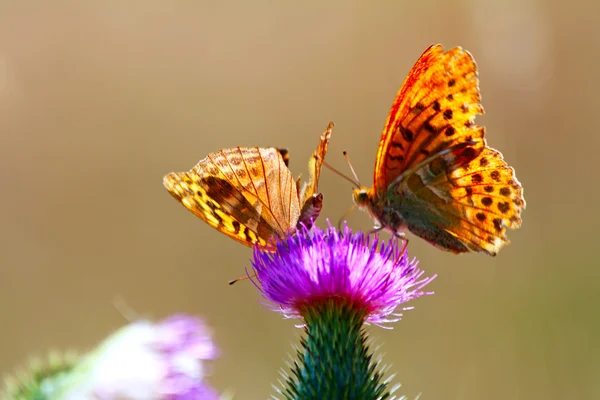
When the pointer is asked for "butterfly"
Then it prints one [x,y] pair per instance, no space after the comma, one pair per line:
[434,175]
[249,193]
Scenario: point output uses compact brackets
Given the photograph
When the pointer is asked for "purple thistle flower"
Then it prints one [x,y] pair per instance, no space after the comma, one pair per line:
[336,281]
[373,276]
[145,360]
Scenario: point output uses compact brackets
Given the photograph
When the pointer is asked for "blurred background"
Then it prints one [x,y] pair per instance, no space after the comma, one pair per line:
[99,100]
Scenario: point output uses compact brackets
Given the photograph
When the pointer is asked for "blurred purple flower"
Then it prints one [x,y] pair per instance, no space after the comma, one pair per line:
[149,361]
[181,333]
[374,276]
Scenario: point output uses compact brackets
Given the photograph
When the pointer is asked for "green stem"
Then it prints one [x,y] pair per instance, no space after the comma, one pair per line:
[37,381]
[334,361]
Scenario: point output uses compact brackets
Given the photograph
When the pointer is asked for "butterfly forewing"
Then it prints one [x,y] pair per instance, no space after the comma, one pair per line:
[310,199]
[434,111]
[315,163]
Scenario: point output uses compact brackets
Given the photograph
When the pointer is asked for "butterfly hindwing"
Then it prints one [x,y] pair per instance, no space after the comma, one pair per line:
[214,201]
[466,207]
[246,193]
[490,199]
[262,174]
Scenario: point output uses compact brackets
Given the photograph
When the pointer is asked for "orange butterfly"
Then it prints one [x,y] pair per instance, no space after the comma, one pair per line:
[434,174]
[249,194]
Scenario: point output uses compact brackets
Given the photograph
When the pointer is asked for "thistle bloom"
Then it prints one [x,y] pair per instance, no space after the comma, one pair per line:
[373,276]
[336,281]
[145,360]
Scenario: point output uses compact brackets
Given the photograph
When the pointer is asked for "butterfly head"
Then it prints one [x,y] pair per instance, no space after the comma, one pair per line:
[362,197]
[366,199]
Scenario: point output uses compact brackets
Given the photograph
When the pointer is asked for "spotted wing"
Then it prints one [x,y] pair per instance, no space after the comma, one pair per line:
[310,198]
[488,198]
[249,194]
[463,207]
[434,111]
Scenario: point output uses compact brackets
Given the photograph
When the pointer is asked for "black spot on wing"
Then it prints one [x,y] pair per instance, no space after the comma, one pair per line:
[407,134]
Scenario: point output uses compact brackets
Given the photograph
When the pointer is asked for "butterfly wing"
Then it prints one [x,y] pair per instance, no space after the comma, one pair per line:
[433,111]
[433,166]
[488,198]
[285,156]
[310,198]
[463,207]
[247,193]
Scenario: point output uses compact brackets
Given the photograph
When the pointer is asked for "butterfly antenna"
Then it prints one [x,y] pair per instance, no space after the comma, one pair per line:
[243,278]
[352,168]
[337,172]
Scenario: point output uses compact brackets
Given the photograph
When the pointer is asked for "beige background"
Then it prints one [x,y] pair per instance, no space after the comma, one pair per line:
[98,101]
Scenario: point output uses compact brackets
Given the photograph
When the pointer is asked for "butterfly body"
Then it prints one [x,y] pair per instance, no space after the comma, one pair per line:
[249,193]
[435,176]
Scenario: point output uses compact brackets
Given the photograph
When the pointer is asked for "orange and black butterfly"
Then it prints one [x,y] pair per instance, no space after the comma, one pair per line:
[434,174]
[249,194]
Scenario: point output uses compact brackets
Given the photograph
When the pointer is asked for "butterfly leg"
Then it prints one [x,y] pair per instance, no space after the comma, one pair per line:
[404,239]
[401,236]
[376,228]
